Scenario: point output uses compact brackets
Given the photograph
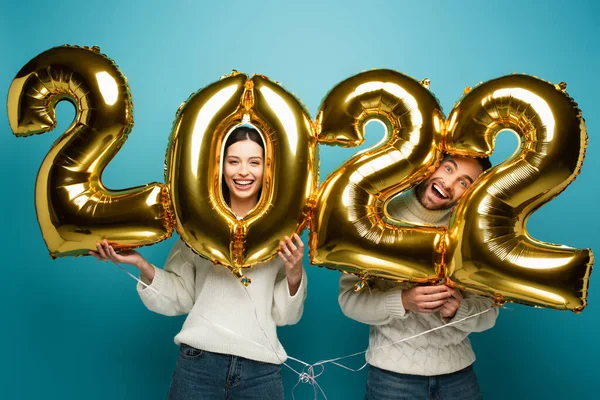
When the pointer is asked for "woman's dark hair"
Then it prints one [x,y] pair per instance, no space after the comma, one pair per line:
[237,135]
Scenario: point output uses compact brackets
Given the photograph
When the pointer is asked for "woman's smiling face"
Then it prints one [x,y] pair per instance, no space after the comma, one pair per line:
[243,170]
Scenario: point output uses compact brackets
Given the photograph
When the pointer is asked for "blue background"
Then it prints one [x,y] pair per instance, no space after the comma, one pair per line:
[76,329]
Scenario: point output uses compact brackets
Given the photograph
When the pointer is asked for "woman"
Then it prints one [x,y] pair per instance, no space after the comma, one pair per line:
[228,343]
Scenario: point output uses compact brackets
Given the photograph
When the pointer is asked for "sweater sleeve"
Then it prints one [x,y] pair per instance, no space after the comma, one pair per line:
[172,291]
[287,309]
[371,305]
[472,304]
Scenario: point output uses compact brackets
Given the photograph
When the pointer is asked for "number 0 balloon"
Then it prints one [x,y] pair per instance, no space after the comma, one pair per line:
[193,173]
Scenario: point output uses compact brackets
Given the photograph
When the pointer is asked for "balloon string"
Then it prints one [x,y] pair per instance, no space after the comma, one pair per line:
[308,374]
[334,360]
[220,326]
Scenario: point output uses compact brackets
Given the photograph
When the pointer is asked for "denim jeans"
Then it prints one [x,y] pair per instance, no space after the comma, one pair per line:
[387,385]
[204,375]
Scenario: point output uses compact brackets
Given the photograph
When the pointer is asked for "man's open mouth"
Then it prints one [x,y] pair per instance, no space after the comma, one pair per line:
[439,192]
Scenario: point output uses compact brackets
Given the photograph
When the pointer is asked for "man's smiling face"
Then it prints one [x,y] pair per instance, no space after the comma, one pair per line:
[443,189]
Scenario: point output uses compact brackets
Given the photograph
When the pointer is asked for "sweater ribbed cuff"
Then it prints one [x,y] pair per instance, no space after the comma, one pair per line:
[156,284]
[393,303]
[301,288]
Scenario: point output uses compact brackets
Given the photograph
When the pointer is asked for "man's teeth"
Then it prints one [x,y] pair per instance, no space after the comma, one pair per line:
[441,193]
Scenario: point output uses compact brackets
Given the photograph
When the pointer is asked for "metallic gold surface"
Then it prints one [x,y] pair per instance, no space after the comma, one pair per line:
[488,249]
[193,170]
[74,208]
[351,230]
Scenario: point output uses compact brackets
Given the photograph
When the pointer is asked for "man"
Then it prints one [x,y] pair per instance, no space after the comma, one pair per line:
[438,364]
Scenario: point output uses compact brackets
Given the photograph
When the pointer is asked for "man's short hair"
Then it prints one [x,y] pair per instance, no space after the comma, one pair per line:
[485,163]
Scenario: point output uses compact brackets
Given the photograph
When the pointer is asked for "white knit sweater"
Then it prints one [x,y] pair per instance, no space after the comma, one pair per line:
[222,316]
[439,352]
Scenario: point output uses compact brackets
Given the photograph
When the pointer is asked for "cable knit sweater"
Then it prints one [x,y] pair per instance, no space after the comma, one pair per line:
[440,352]
[211,295]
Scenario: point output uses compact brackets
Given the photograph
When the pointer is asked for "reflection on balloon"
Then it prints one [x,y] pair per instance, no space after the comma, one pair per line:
[488,249]
[351,230]
[74,209]
[193,170]
[485,249]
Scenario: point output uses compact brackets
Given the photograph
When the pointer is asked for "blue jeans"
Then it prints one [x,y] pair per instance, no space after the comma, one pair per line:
[387,385]
[204,375]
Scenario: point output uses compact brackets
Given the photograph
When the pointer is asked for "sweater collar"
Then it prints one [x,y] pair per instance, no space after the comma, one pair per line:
[429,216]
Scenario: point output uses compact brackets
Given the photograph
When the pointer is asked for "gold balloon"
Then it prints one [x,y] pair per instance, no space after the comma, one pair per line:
[488,249]
[74,209]
[193,170]
[351,229]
